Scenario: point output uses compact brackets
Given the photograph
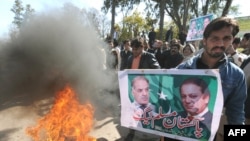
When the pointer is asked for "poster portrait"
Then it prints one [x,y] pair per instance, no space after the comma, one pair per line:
[197,27]
[163,102]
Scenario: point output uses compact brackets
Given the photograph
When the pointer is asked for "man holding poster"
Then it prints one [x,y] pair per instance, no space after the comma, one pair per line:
[217,37]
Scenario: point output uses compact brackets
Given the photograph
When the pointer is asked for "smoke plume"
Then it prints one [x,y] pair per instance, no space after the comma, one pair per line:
[53,49]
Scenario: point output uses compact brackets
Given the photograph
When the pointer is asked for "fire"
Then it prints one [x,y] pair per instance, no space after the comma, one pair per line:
[68,120]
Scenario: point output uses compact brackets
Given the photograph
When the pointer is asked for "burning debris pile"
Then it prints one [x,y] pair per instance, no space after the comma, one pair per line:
[67,120]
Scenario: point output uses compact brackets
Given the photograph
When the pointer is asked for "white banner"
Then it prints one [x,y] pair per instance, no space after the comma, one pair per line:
[180,104]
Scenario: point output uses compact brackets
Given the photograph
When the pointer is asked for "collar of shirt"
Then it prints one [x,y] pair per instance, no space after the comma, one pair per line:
[127,49]
[200,115]
[136,62]
[137,105]
[201,65]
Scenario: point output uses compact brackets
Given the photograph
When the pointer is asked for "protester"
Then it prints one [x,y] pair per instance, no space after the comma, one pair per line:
[182,37]
[245,43]
[125,53]
[188,51]
[151,37]
[171,58]
[246,68]
[165,46]
[112,57]
[219,35]
[158,44]
[236,43]
[140,58]
[116,50]
[235,56]
[169,34]
[147,47]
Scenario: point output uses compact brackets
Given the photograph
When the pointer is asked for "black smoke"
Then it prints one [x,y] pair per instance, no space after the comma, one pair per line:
[51,50]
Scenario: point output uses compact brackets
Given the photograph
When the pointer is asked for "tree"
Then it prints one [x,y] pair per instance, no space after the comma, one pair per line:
[94,16]
[133,26]
[22,14]
[113,4]
[17,9]
[181,11]
[162,13]
[217,7]
[159,7]
[28,13]
[178,11]
[105,26]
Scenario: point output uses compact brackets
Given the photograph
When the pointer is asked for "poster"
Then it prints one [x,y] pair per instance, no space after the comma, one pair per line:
[197,27]
[158,101]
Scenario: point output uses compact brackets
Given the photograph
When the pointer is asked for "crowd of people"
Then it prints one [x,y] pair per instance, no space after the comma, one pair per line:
[168,55]
[221,49]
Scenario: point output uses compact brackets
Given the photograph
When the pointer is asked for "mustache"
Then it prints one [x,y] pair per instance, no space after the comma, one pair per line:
[173,50]
[219,47]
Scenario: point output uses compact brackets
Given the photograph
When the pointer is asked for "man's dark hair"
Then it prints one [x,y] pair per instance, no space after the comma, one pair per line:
[236,40]
[136,43]
[115,42]
[125,41]
[197,81]
[220,23]
[175,45]
[246,36]
[109,41]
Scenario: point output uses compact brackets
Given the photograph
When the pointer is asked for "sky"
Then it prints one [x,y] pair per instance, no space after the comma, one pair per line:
[6,15]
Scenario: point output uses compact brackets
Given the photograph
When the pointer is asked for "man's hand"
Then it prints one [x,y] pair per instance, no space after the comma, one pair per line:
[138,113]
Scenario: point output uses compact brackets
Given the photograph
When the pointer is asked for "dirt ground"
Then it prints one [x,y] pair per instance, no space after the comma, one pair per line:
[15,117]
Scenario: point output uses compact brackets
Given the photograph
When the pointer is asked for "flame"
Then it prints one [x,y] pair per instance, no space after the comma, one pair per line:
[67,120]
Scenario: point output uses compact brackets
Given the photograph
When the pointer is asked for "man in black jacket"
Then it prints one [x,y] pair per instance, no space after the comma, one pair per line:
[125,53]
[151,37]
[169,34]
[140,58]
[171,58]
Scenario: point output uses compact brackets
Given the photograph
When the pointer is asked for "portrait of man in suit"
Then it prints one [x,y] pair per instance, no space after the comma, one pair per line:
[141,107]
[195,97]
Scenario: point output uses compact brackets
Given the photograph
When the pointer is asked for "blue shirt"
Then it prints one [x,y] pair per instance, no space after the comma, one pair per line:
[233,87]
